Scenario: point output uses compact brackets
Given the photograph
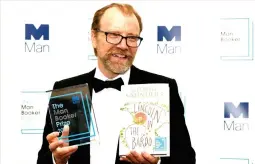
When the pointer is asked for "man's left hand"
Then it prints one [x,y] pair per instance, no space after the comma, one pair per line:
[143,158]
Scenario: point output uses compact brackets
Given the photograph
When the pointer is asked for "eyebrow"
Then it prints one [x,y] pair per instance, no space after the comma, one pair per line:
[132,34]
[117,32]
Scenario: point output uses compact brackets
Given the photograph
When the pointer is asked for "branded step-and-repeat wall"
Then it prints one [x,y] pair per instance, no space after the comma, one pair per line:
[208,47]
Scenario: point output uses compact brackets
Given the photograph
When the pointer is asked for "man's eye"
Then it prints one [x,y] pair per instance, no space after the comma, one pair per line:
[133,39]
[113,35]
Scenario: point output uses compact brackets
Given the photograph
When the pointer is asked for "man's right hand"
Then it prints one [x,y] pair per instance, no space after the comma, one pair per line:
[59,148]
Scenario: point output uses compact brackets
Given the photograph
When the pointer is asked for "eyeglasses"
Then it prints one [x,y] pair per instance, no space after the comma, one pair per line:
[113,38]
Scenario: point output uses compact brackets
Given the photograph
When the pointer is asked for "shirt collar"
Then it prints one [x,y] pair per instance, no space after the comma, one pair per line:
[125,76]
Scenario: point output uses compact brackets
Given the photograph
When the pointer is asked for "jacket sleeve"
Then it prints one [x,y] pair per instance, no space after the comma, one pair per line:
[44,154]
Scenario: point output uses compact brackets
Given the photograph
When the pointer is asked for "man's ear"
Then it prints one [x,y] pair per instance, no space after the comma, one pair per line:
[93,38]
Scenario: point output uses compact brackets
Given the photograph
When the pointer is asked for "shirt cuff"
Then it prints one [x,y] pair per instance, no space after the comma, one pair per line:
[53,159]
[159,161]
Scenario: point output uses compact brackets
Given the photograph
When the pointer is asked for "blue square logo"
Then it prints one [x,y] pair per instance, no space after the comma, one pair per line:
[160,143]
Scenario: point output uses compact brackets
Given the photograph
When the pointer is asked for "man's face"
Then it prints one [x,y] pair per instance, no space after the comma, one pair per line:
[115,59]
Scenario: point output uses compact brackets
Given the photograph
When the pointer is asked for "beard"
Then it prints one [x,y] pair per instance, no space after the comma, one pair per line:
[117,66]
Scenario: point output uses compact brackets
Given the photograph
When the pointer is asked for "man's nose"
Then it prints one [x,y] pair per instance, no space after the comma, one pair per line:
[123,44]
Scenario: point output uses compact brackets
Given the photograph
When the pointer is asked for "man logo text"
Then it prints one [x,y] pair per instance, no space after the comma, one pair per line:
[168,40]
[34,35]
[236,117]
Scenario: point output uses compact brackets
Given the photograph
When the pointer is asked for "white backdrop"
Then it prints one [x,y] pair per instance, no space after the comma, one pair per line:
[208,71]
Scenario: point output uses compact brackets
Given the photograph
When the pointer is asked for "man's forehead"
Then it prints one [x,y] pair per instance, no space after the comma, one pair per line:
[114,19]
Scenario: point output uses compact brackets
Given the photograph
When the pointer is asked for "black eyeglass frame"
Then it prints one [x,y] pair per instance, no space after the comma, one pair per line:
[126,37]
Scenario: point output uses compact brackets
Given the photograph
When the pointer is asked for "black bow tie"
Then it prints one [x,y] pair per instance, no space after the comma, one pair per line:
[99,85]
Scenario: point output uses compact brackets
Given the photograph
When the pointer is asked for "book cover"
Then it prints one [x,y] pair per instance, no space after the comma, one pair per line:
[145,115]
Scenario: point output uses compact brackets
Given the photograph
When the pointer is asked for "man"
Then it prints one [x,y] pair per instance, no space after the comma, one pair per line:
[116,37]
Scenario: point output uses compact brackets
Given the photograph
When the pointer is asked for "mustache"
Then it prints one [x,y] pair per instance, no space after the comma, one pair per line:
[120,51]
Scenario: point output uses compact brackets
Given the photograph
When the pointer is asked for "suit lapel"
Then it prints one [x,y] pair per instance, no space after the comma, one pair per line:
[83,153]
[134,76]
[91,75]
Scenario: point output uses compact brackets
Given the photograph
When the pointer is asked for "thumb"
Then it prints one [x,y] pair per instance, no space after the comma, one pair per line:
[65,131]
[65,134]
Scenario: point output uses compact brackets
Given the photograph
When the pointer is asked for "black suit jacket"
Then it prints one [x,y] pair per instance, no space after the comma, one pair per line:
[181,151]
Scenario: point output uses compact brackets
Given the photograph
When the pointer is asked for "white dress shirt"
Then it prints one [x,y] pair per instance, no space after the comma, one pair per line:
[106,105]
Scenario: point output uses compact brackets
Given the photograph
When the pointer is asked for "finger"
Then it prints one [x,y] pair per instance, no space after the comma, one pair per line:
[132,158]
[61,159]
[65,156]
[149,157]
[52,137]
[65,131]
[124,158]
[64,150]
[65,142]
[64,135]
[55,144]
[139,157]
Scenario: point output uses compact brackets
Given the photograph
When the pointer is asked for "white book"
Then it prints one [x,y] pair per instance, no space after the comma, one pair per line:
[145,119]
